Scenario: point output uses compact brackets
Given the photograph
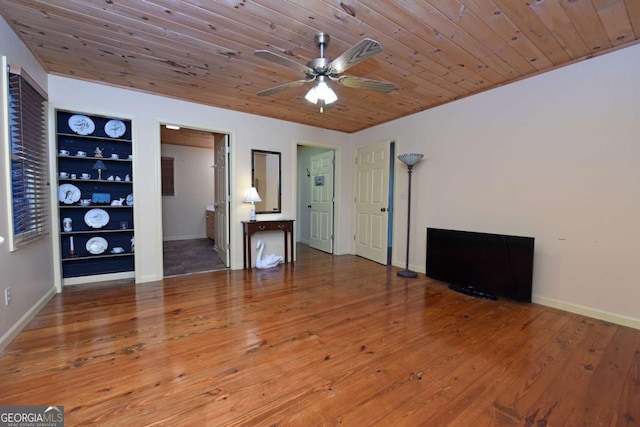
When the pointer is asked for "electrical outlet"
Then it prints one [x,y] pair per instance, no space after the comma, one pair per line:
[7,296]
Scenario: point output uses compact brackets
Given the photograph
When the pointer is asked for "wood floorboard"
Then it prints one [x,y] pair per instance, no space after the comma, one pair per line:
[331,340]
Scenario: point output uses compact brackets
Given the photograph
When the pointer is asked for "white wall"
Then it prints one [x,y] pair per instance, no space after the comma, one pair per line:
[29,270]
[555,157]
[183,215]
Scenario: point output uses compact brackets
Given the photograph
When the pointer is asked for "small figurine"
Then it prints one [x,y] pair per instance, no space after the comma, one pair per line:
[117,202]
[133,243]
[266,261]
[127,177]
[98,152]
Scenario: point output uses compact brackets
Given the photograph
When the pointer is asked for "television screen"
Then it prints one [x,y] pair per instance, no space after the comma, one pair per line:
[481,264]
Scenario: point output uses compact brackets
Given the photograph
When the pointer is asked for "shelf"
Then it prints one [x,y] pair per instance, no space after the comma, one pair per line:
[72,157]
[107,255]
[85,264]
[63,206]
[101,181]
[93,137]
[96,231]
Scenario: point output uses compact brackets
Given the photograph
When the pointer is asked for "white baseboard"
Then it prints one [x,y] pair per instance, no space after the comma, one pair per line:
[83,280]
[590,312]
[25,319]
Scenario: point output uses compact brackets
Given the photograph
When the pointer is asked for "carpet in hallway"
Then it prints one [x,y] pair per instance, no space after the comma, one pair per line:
[190,256]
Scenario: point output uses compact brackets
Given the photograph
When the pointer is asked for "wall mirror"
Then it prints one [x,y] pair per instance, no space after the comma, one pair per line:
[265,176]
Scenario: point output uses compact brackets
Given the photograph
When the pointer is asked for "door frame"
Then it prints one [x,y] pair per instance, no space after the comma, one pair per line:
[337,193]
[230,167]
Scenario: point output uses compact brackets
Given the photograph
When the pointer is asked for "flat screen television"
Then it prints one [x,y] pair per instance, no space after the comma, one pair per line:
[481,264]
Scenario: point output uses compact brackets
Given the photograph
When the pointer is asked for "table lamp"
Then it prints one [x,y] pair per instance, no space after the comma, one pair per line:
[99,166]
[252,196]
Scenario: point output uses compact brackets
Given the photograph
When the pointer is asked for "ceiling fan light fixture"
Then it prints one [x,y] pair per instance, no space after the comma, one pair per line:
[321,92]
[322,69]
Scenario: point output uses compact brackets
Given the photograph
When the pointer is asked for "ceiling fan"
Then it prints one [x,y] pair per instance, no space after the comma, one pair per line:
[321,70]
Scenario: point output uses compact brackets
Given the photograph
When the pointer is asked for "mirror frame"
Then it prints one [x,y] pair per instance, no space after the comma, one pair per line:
[253,179]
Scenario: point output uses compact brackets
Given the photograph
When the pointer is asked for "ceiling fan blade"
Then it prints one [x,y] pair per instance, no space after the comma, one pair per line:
[265,54]
[281,88]
[357,53]
[366,84]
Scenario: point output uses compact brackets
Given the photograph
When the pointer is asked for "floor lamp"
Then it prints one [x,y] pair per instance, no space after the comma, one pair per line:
[409,159]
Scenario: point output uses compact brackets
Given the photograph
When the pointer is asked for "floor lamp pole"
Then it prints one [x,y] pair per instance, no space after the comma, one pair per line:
[409,160]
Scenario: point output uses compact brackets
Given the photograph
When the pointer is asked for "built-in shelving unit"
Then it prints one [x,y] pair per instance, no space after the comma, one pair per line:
[95,194]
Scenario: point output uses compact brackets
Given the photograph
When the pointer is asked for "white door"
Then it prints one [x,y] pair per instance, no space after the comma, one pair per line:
[372,201]
[221,198]
[321,220]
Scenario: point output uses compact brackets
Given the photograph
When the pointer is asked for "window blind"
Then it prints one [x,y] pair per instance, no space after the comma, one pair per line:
[28,156]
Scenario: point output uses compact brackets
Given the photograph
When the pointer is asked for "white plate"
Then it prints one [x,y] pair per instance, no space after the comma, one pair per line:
[68,193]
[82,125]
[96,245]
[115,128]
[96,218]
[130,200]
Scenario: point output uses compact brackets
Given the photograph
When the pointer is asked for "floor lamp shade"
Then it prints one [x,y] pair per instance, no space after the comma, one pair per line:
[409,159]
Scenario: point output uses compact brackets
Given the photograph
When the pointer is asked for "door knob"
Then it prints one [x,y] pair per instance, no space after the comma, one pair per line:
[309,206]
[383,209]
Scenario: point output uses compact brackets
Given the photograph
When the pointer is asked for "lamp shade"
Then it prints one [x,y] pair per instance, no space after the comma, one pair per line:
[252,195]
[99,165]
[410,159]
[321,92]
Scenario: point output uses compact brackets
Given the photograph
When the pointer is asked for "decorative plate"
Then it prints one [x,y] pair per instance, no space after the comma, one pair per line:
[130,200]
[82,125]
[68,193]
[96,245]
[96,218]
[115,128]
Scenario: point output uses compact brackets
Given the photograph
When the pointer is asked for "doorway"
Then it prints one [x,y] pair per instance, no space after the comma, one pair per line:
[190,181]
[316,194]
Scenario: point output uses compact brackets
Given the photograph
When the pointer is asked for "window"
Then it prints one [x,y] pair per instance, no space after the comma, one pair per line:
[27,147]
[167,171]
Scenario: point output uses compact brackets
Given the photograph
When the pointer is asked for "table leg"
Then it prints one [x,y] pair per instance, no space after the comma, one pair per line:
[244,250]
[286,250]
[292,247]
[249,250]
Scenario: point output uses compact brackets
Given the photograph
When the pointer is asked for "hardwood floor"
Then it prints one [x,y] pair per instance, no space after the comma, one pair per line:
[332,341]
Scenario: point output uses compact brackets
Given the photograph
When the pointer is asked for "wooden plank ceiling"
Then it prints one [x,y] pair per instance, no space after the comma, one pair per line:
[435,51]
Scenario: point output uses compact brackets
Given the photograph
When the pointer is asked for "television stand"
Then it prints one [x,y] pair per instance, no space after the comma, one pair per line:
[472,292]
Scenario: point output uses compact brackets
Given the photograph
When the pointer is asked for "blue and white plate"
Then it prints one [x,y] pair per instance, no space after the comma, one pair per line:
[81,125]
